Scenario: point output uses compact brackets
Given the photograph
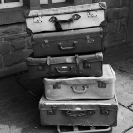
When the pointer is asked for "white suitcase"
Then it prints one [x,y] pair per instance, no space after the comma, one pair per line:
[66,18]
[82,87]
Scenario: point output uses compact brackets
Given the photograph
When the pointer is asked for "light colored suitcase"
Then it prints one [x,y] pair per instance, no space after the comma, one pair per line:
[82,87]
[79,112]
[66,18]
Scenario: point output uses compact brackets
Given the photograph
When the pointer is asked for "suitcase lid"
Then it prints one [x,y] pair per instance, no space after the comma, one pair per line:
[68,35]
[64,10]
[64,59]
[107,78]
[79,105]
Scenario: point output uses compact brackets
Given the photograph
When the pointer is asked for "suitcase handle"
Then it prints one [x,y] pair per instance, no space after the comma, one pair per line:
[78,113]
[76,130]
[57,22]
[82,90]
[68,48]
[74,113]
[64,71]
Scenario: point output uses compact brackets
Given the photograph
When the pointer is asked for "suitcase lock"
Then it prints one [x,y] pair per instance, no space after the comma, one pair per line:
[45,44]
[101,84]
[104,111]
[89,39]
[52,111]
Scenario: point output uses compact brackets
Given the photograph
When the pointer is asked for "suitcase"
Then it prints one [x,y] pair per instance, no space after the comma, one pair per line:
[82,87]
[79,112]
[66,18]
[65,66]
[83,41]
[83,129]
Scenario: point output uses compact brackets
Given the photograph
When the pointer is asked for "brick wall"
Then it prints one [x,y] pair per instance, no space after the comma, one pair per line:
[15,44]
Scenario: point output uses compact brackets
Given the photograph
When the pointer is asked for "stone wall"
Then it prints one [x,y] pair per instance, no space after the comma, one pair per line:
[15,44]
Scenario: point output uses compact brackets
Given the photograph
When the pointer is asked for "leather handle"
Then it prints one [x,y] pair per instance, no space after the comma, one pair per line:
[76,130]
[74,113]
[67,48]
[63,71]
[74,17]
[83,89]
[57,22]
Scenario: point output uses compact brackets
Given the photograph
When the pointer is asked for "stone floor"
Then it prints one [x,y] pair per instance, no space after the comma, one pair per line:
[19,97]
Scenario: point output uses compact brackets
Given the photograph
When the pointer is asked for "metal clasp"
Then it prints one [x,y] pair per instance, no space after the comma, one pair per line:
[104,111]
[52,111]
[89,39]
[90,14]
[38,19]
[101,84]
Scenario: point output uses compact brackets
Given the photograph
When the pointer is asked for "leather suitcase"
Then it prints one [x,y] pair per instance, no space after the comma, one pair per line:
[66,18]
[82,87]
[83,41]
[66,66]
[84,129]
[79,112]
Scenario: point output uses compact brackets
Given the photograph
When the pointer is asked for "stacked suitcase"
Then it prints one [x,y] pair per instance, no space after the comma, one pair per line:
[79,90]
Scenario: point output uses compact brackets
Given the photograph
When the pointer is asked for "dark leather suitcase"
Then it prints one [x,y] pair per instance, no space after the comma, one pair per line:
[82,87]
[84,129]
[66,66]
[79,112]
[66,18]
[83,41]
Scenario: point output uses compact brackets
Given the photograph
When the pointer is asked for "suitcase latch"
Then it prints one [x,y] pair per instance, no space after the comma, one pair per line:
[89,39]
[101,84]
[90,14]
[86,64]
[52,111]
[57,86]
[104,111]
[37,19]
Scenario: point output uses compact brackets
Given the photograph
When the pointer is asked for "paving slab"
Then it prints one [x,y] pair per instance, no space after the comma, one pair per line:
[125,120]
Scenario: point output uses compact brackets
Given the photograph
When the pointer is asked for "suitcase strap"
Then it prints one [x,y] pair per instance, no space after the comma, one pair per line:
[91,130]
[57,23]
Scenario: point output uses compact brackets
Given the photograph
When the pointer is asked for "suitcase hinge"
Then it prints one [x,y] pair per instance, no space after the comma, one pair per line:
[52,111]
[104,111]
[101,84]
[38,19]
[89,39]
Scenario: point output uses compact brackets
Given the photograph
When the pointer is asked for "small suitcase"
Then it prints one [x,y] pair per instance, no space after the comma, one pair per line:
[82,87]
[79,112]
[68,42]
[66,18]
[66,66]
[83,129]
